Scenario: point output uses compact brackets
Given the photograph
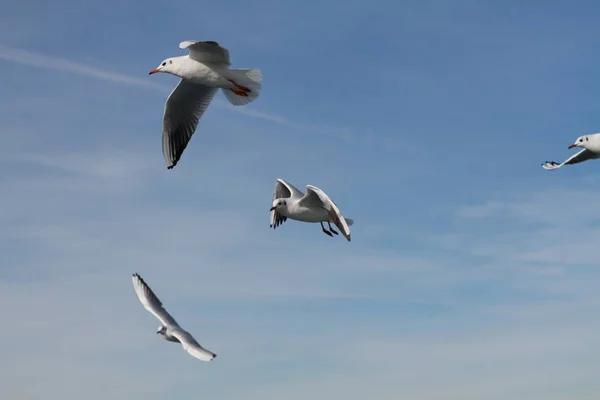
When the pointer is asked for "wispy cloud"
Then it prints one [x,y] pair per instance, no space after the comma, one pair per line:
[50,62]
[253,113]
[60,64]
[543,240]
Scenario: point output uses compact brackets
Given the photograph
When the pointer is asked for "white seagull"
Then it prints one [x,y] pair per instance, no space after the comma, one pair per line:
[591,150]
[203,72]
[315,206]
[169,329]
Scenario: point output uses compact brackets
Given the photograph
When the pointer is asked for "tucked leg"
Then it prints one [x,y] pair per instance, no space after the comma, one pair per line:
[239,93]
[325,231]
[240,87]
[331,229]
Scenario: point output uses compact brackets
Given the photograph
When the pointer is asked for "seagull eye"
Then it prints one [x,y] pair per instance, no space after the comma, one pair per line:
[164,64]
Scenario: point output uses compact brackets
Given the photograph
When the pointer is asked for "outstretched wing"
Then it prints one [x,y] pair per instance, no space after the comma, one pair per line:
[282,189]
[151,302]
[315,197]
[206,52]
[184,107]
[583,155]
[192,346]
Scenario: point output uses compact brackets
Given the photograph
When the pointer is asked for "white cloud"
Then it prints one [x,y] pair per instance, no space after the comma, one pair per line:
[508,357]
[60,64]
[259,299]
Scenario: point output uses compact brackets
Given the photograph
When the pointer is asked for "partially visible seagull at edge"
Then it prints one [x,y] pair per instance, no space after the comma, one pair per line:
[203,72]
[591,150]
[169,329]
[315,206]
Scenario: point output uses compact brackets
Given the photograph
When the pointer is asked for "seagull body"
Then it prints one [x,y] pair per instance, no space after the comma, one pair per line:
[169,329]
[203,72]
[315,206]
[590,145]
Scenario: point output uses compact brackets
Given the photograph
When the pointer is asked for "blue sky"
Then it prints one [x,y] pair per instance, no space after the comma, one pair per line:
[472,272]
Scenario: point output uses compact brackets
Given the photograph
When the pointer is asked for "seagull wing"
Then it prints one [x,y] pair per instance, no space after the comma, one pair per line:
[583,155]
[206,52]
[315,197]
[286,190]
[184,107]
[192,346]
[151,302]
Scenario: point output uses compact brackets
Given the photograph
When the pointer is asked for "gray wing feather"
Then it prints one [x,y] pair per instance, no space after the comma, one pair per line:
[206,52]
[315,197]
[576,158]
[184,107]
[151,302]
[285,189]
[190,345]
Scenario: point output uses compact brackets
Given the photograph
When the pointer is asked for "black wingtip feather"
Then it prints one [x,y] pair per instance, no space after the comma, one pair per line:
[136,275]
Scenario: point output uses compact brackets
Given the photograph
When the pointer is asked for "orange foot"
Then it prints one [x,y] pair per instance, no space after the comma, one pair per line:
[239,92]
[244,88]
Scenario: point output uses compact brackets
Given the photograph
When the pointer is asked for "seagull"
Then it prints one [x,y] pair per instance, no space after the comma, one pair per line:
[315,206]
[169,328]
[591,150]
[203,72]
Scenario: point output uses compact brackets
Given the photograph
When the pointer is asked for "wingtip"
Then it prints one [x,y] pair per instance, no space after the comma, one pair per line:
[171,163]
[137,277]
[550,165]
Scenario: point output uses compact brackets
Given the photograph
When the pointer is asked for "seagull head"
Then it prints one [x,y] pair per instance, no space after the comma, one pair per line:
[161,330]
[165,66]
[581,141]
[278,203]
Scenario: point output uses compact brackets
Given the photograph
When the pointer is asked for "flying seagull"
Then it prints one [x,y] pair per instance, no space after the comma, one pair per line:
[590,145]
[169,328]
[315,206]
[203,72]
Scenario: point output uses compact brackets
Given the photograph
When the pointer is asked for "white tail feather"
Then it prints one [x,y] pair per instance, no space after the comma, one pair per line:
[238,100]
[251,78]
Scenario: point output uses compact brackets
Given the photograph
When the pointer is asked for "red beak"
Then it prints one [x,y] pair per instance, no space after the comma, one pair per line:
[153,71]
[573,145]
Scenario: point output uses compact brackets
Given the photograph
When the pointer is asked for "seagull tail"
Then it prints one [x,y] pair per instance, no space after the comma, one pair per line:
[349,221]
[248,83]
